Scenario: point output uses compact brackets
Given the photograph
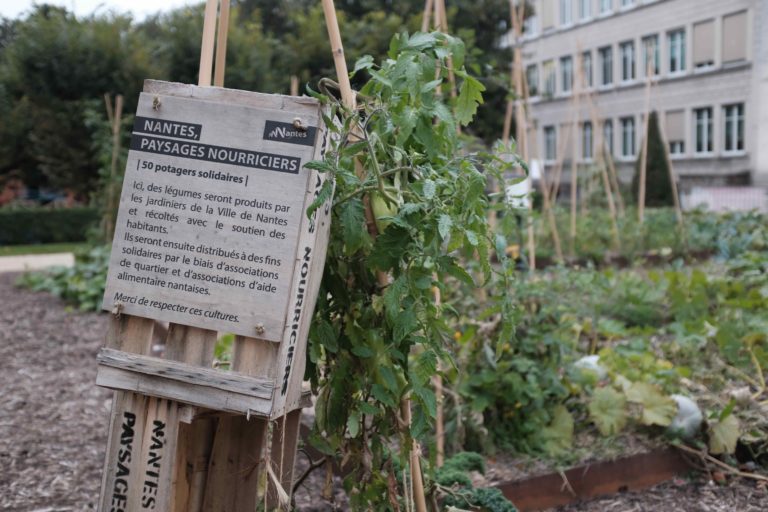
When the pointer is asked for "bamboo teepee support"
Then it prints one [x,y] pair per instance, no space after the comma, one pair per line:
[644,150]
[221,44]
[348,99]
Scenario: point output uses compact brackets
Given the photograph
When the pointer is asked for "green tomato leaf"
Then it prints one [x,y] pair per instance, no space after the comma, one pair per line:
[353,424]
[470,96]
[444,225]
[608,411]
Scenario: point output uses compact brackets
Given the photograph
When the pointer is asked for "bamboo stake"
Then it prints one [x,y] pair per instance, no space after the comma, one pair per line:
[206,50]
[221,44]
[294,85]
[644,151]
[425,19]
[574,160]
[518,16]
[604,163]
[348,99]
[115,118]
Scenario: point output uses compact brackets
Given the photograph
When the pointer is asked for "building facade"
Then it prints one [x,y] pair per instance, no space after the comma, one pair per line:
[587,64]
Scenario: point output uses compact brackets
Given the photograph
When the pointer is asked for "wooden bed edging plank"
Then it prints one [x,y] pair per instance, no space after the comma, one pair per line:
[632,473]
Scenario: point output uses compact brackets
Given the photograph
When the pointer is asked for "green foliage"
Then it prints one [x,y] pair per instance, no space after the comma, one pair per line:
[373,344]
[458,490]
[607,410]
[51,69]
[83,284]
[658,186]
[29,225]
[54,67]
[465,461]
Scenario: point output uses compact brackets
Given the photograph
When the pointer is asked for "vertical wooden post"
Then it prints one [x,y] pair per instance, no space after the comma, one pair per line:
[206,50]
[294,90]
[425,18]
[221,44]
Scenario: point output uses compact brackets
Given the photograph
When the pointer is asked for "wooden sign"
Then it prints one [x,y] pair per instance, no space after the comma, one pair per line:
[213,202]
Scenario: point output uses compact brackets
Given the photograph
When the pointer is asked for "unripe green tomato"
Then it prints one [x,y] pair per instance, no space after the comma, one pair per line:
[382,209]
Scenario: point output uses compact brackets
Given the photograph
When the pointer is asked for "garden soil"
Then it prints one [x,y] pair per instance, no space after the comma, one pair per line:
[53,423]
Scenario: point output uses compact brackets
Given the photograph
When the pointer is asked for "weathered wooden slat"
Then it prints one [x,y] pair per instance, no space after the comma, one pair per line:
[285,442]
[170,389]
[193,346]
[194,376]
[233,474]
[151,489]
[126,426]
[248,98]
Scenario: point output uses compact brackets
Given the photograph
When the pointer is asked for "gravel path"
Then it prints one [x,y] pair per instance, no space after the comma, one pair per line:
[53,423]
[52,416]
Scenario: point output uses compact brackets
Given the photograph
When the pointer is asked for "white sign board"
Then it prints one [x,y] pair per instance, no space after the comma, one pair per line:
[214,196]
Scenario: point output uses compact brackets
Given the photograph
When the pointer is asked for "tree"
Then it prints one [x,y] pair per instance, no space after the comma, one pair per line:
[658,188]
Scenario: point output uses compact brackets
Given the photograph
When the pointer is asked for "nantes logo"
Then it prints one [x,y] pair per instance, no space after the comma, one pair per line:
[286,132]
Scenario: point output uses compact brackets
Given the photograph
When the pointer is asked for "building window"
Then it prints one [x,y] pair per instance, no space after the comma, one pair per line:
[549,78]
[734,127]
[566,74]
[585,9]
[735,37]
[703,120]
[606,65]
[627,137]
[675,132]
[676,45]
[566,12]
[532,79]
[651,57]
[627,3]
[586,69]
[608,136]
[586,141]
[550,143]
[531,25]
[627,51]
[606,6]
[704,44]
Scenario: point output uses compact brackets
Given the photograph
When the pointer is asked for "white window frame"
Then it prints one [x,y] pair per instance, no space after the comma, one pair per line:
[587,141]
[656,65]
[537,91]
[676,44]
[708,125]
[632,140]
[566,13]
[737,125]
[602,84]
[608,136]
[588,72]
[605,7]
[673,148]
[630,45]
[547,131]
[549,78]
[566,64]
[585,10]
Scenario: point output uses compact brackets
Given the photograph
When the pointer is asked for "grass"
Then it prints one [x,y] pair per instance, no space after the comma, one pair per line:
[18,250]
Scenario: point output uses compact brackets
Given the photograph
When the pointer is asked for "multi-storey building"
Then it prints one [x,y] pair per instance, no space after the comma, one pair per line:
[708,60]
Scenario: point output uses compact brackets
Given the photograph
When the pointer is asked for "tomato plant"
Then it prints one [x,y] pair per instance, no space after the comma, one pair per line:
[374,344]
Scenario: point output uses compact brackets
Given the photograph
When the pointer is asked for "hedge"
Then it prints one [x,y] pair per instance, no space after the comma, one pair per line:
[45,225]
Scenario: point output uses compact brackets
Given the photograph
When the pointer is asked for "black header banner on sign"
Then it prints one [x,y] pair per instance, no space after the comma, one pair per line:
[217,154]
